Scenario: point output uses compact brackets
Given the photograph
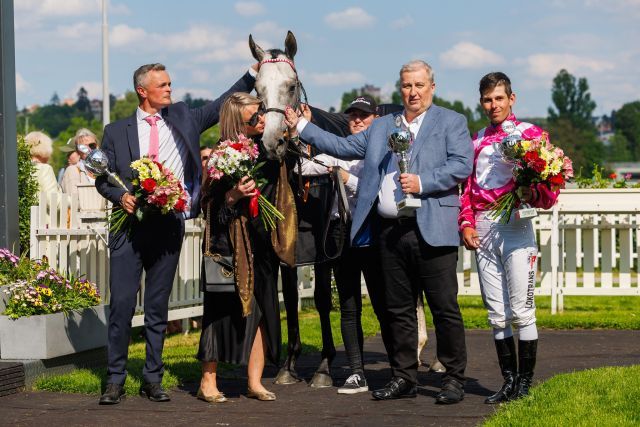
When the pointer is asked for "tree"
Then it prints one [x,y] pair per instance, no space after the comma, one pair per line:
[55,99]
[627,122]
[125,107]
[618,149]
[579,143]
[347,97]
[83,105]
[194,102]
[572,100]
[52,119]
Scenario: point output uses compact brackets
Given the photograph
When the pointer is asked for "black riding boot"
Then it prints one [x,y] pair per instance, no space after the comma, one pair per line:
[526,363]
[506,350]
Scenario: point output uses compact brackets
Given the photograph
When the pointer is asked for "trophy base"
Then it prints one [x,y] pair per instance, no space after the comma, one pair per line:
[526,213]
[407,206]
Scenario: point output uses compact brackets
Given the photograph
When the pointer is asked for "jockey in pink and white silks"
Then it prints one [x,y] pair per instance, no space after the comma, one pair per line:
[506,254]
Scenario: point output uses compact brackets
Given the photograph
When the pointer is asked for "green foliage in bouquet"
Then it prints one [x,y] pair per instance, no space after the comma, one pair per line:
[36,288]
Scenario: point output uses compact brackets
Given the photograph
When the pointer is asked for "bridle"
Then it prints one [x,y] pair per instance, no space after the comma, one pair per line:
[299,88]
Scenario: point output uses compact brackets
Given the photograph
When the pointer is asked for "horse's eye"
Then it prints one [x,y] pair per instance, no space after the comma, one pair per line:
[292,88]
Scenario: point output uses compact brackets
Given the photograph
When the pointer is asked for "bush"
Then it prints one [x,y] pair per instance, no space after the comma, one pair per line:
[27,194]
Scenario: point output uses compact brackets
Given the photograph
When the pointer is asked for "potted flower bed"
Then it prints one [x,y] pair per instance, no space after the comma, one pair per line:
[47,314]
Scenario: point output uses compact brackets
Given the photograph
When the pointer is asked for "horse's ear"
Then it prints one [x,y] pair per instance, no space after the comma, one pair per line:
[256,50]
[290,45]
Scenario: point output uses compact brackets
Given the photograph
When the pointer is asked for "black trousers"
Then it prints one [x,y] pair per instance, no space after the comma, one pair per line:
[154,245]
[348,269]
[412,266]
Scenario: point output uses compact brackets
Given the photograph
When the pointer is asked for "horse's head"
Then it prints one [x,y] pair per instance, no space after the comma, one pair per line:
[277,85]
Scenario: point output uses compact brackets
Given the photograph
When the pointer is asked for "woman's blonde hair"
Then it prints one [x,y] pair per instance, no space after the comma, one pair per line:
[40,145]
[231,123]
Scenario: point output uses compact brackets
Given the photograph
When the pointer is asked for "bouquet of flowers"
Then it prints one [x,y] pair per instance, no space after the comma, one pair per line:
[535,161]
[39,289]
[233,160]
[157,191]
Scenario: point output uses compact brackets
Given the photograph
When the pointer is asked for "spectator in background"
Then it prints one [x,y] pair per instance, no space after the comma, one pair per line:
[72,158]
[41,148]
[205,152]
[83,141]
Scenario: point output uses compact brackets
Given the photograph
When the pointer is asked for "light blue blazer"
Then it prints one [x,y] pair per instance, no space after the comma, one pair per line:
[442,155]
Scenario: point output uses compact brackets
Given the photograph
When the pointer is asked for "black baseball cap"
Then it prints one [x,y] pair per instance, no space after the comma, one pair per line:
[364,103]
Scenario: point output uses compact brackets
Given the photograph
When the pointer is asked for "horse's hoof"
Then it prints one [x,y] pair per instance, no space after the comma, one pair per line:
[285,376]
[436,366]
[321,380]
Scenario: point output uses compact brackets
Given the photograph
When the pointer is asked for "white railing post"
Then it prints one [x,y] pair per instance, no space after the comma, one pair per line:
[555,258]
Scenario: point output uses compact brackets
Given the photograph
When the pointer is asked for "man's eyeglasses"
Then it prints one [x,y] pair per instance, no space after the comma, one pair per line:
[255,117]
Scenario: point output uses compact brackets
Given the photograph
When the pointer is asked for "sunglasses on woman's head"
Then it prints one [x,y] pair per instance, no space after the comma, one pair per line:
[255,117]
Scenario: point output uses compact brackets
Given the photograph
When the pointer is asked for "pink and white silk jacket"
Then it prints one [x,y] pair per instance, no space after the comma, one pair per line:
[492,176]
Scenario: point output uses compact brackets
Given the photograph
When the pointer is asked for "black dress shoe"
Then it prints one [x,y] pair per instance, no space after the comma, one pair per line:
[154,392]
[450,393]
[112,395]
[397,388]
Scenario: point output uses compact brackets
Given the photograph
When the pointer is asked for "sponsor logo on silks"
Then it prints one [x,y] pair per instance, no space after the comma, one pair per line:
[531,282]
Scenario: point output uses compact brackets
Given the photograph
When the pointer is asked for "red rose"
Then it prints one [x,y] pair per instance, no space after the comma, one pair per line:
[531,156]
[180,205]
[162,199]
[538,165]
[236,146]
[556,180]
[613,176]
[149,185]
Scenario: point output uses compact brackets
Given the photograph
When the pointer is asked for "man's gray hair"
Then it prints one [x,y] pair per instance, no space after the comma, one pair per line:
[141,73]
[415,65]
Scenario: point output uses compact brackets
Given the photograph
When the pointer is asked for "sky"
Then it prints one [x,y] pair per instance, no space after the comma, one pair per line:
[341,45]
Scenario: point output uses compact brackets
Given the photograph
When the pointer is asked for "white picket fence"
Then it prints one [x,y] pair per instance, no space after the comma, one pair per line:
[597,232]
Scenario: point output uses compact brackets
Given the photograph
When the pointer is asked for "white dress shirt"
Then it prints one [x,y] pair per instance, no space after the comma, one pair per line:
[390,190]
[173,153]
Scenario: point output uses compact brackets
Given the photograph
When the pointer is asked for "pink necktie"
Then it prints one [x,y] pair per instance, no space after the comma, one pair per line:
[154,138]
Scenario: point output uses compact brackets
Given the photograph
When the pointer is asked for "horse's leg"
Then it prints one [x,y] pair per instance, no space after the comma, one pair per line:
[287,374]
[322,299]
[422,327]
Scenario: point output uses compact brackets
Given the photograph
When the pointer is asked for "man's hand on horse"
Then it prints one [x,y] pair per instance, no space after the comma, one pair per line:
[306,112]
[410,183]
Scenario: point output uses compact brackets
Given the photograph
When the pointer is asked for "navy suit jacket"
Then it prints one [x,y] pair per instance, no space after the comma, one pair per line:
[442,155]
[122,146]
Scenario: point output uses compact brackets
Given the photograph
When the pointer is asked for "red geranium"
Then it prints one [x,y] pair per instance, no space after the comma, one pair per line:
[180,205]
[613,176]
[149,185]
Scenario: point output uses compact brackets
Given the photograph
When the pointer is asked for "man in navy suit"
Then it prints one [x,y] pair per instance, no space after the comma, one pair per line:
[419,251]
[169,133]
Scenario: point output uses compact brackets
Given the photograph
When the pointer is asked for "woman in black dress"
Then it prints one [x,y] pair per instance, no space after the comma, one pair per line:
[227,334]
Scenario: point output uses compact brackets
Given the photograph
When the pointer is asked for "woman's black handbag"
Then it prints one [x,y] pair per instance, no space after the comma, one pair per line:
[217,270]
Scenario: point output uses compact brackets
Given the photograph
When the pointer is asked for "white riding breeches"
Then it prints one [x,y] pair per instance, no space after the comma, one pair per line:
[506,262]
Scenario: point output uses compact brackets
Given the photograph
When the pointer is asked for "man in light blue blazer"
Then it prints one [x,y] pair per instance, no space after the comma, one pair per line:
[418,250]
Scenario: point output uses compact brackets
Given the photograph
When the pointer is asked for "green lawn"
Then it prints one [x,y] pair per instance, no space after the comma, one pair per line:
[181,365]
[595,397]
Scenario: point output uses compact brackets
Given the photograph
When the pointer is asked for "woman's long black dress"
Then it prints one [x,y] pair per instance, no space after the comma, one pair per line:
[226,335]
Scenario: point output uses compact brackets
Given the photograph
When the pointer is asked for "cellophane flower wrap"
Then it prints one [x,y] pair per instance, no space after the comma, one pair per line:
[536,161]
[157,190]
[234,159]
[36,288]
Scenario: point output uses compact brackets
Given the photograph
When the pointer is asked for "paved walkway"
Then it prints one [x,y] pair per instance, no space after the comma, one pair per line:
[298,405]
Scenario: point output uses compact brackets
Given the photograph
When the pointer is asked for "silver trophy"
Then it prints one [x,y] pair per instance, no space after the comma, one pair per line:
[98,164]
[507,148]
[399,143]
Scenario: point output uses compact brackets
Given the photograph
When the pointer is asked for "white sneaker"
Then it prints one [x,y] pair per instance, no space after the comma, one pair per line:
[356,383]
